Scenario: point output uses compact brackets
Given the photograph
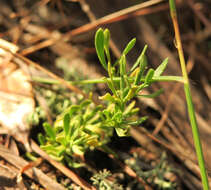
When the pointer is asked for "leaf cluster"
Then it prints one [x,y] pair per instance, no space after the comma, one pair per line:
[102,182]
[129,84]
[88,126]
[77,129]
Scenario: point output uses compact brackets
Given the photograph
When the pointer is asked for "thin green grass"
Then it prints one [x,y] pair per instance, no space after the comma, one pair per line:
[188,96]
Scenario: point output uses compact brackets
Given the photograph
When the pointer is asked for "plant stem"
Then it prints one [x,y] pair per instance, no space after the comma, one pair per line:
[115,79]
[188,96]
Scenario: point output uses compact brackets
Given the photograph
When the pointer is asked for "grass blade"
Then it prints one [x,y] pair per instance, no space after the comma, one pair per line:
[188,96]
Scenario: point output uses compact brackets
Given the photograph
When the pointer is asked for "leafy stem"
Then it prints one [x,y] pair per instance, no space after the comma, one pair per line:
[104,80]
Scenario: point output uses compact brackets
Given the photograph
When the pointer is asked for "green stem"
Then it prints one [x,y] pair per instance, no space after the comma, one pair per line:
[188,96]
[103,80]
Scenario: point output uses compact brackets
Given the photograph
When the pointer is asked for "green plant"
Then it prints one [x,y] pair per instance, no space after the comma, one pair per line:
[188,96]
[102,182]
[118,111]
[156,176]
[88,126]
[77,129]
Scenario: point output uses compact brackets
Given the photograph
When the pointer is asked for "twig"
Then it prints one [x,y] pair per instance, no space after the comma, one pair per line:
[108,19]
[114,17]
[34,173]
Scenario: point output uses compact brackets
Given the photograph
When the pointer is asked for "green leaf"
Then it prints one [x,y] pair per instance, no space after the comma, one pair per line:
[73,132]
[153,95]
[122,132]
[106,44]
[54,151]
[133,112]
[72,163]
[106,38]
[122,73]
[49,131]
[131,93]
[41,139]
[91,113]
[138,60]
[107,114]
[125,91]
[73,109]
[93,129]
[161,68]
[129,46]
[144,85]
[142,67]
[66,123]
[122,62]
[138,122]
[77,120]
[118,117]
[57,158]
[79,150]
[61,139]
[85,103]
[149,76]
[111,85]
[107,97]
[129,108]
[99,45]
[112,99]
